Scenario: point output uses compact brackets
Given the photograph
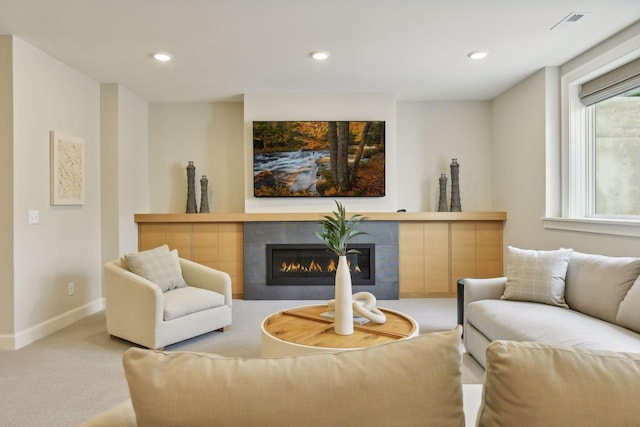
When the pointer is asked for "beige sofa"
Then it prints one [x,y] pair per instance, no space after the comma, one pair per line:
[141,311]
[595,306]
[415,382]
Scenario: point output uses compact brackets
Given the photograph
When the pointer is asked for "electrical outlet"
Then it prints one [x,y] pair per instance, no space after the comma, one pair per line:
[71,288]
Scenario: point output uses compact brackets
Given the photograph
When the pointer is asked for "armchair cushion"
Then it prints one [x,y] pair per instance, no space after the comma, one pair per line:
[187,300]
[159,266]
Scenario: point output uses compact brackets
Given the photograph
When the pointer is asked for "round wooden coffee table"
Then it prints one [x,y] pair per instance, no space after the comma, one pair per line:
[302,330]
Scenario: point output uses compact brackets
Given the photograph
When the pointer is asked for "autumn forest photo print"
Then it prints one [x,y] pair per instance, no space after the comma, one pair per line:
[318,159]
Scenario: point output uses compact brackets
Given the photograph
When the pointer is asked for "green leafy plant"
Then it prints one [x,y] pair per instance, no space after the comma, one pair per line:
[337,230]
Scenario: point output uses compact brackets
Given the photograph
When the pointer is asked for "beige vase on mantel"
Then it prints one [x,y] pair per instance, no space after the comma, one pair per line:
[343,311]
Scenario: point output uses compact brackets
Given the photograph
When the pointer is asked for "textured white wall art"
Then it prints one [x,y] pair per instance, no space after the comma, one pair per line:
[67,169]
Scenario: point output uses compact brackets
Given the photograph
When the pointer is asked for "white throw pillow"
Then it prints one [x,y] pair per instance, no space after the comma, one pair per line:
[158,265]
[536,276]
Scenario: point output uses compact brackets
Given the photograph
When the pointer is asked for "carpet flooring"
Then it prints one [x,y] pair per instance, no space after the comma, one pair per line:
[76,373]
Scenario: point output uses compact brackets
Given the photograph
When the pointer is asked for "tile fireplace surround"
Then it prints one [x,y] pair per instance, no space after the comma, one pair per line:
[384,234]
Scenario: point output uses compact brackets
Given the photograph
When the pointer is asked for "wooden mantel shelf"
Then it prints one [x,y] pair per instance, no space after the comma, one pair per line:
[312,216]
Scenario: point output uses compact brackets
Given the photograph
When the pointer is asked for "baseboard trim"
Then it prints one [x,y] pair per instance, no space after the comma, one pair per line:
[41,330]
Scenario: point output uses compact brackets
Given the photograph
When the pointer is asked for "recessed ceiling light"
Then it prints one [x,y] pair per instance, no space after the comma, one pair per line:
[162,56]
[477,54]
[319,55]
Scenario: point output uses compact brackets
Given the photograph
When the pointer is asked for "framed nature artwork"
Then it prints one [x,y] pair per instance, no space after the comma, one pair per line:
[319,158]
[67,169]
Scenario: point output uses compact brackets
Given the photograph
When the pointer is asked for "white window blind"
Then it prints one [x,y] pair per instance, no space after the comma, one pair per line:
[611,84]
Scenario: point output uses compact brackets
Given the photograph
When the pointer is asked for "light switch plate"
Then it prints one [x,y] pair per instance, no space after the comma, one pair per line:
[34,217]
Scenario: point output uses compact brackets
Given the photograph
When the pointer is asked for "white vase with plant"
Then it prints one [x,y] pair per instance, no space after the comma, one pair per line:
[336,232]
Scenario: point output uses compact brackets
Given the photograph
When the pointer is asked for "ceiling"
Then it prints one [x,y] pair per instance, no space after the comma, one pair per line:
[415,49]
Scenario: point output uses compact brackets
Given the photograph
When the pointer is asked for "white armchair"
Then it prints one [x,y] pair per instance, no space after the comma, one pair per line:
[140,312]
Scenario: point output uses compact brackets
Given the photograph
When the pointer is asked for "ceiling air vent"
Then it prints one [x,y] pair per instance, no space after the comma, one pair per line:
[574,17]
[571,18]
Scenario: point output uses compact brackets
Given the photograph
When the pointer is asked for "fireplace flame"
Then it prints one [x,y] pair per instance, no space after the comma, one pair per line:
[313,267]
[295,267]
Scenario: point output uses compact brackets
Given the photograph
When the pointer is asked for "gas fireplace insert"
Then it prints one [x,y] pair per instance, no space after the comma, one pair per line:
[314,264]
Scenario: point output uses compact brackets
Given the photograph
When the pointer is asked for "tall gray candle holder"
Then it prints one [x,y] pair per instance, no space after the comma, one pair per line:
[204,194]
[442,204]
[191,188]
[455,186]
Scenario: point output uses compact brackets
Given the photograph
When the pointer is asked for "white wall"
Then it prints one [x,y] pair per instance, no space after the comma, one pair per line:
[133,165]
[518,128]
[109,172]
[124,168]
[6,192]
[321,107]
[429,135]
[210,134]
[65,246]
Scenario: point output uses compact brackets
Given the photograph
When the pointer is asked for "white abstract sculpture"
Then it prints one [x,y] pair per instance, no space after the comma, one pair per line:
[364,304]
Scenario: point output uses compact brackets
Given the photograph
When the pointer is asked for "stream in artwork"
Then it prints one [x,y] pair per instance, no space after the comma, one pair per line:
[297,170]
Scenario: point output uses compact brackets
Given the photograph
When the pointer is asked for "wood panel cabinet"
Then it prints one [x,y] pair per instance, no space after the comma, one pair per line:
[434,255]
[217,245]
[435,248]
[177,236]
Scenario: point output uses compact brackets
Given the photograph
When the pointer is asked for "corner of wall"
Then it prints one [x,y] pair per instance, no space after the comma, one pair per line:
[109,180]
[553,201]
[7,322]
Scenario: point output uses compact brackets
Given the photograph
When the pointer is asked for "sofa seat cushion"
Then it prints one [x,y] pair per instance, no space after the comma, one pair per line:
[182,301]
[526,321]
[414,382]
[539,385]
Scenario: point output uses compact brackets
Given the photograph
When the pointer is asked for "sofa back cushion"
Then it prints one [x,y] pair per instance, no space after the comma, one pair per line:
[629,311]
[596,284]
[536,384]
[414,382]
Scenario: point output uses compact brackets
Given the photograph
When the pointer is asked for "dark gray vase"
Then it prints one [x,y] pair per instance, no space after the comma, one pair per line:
[204,194]
[442,204]
[455,186]
[191,188]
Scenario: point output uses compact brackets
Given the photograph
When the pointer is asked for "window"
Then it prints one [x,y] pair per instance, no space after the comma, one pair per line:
[616,156]
[610,136]
[600,145]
